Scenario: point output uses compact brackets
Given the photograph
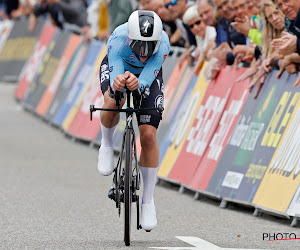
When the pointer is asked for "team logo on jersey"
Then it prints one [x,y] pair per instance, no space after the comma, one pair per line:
[111,69]
[159,100]
[156,72]
[165,56]
[131,56]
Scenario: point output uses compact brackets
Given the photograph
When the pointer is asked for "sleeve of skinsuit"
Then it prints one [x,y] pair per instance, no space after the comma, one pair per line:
[155,62]
[115,50]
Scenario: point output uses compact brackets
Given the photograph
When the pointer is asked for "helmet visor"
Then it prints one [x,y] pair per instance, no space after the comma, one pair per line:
[142,48]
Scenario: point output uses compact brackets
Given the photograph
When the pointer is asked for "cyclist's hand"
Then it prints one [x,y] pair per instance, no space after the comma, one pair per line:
[119,82]
[132,83]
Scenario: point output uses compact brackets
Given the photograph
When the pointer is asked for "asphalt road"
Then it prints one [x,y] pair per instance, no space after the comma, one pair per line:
[52,197]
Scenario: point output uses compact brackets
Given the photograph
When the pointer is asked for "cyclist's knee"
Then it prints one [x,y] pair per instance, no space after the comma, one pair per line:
[148,136]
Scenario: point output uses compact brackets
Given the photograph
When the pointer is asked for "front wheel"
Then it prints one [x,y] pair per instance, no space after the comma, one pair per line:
[127,187]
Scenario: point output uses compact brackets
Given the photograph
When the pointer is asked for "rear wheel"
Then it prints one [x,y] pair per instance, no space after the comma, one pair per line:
[127,187]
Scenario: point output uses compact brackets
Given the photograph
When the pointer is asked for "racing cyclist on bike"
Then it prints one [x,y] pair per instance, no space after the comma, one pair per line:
[136,51]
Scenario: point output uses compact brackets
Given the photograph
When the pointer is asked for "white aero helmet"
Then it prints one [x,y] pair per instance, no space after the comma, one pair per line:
[144,32]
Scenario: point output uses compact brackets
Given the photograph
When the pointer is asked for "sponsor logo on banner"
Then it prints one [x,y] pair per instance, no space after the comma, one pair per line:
[186,120]
[206,117]
[216,145]
[232,180]
[255,172]
[273,134]
[286,161]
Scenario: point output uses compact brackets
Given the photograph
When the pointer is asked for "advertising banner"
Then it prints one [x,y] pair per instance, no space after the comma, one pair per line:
[252,145]
[172,93]
[168,126]
[281,180]
[183,127]
[94,76]
[5,29]
[294,208]
[82,127]
[31,67]
[56,79]
[47,69]
[204,125]
[68,81]
[18,49]
[214,150]
[79,82]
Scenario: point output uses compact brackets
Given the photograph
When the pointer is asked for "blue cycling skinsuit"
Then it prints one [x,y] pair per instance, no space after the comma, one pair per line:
[120,58]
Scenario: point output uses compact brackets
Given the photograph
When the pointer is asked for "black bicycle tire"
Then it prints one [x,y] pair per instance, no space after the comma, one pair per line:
[127,187]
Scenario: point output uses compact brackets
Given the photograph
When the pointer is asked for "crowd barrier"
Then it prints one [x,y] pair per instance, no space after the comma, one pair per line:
[215,138]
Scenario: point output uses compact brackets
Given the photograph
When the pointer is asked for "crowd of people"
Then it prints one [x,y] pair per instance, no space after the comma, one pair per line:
[261,34]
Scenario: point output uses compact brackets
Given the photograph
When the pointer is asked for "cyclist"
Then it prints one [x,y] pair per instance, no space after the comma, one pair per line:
[136,51]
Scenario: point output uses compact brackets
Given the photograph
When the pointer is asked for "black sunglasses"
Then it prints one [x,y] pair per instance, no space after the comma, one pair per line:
[173,3]
[197,23]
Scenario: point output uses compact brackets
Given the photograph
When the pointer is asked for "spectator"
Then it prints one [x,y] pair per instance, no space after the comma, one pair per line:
[119,12]
[62,12]
[204,34]
[206,9]
[98,17]
[273,25]
[3,15]
[289,44]
[27,6]
[177,9]
[246,22]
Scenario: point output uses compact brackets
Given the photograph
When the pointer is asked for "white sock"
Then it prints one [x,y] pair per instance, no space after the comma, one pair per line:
[107,136]
[149,179]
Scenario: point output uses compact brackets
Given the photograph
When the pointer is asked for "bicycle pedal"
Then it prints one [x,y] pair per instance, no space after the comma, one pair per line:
[112,194]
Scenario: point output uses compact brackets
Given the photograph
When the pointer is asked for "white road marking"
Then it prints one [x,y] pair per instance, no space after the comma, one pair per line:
[198,243]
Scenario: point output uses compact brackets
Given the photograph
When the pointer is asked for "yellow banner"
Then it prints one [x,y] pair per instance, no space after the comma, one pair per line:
[184,126]
[282,177]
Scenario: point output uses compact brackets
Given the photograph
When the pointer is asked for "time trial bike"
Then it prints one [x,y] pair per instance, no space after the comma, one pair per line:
[126,179]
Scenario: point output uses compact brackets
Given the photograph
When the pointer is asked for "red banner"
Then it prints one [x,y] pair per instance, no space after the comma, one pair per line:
[233,108]
[81,125]
[204,126]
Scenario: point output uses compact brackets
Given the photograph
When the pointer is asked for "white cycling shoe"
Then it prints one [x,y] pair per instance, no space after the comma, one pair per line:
[106,160]
[148,216]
